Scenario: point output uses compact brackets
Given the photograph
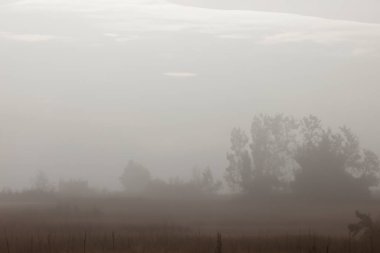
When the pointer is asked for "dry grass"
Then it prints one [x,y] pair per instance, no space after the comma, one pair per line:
[166,239]
[153,226]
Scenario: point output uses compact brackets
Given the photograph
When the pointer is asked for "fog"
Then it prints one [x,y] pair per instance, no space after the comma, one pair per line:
[86,86]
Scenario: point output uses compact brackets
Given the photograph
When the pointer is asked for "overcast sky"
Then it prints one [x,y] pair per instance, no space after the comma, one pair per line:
[355,10]
[87,85]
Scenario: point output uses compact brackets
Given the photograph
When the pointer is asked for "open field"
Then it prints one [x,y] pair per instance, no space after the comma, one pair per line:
[121,224]
[83,237]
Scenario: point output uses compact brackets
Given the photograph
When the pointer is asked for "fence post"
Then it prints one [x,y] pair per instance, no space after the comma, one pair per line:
[113,240]
[218,248]
[7,243]
[84,242]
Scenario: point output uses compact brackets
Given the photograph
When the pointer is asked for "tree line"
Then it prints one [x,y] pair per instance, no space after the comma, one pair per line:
[301,157]
[281,155]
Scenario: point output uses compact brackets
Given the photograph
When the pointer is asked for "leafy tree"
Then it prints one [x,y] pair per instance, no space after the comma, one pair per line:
[285,154]
[333,165]
[41,182]
[367,229]
[273,144]
[365,225]
[239,171]
[202,184]
[204,181]
[265,166]
[135,178]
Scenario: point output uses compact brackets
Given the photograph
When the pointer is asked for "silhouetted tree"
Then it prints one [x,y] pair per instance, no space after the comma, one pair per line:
[74,188]
[333,165]
[41,182]
[135,178]
[365,225]
[267,165]
[239,171]
[272,148]
[202,184]
[300,156]
[367,228]
[203,181]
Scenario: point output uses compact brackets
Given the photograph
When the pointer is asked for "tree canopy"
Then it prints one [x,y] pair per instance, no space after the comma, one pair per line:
[284,154]
[135,178]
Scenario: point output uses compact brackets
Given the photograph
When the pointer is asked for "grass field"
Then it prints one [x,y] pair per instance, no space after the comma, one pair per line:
[151,225]
[89,238]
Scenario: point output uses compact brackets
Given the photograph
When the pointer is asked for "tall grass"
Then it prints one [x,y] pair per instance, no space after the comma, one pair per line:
[166,239]
[181,226]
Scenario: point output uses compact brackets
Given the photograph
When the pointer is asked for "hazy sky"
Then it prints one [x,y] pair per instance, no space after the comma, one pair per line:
[87,85]
[356,10]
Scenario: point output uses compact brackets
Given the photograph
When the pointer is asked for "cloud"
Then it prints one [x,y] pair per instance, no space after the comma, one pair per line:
[180,74]
[326,36]
[363,42]
[132,17]
[112,35]
[369,51]
[292,37]
[27,37]
[121,38]
[234,36]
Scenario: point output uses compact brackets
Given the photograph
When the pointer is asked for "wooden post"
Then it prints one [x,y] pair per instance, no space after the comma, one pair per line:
[218,248]
[84,242]
[7,243]
[113,240]
[49,242]
[32,244]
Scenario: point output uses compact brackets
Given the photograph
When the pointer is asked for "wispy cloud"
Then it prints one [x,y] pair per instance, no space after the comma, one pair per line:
[27,37]
[366,51]
[180,74]
[139,16]
[326,36]
[292,37]
[121,38]
[234,36]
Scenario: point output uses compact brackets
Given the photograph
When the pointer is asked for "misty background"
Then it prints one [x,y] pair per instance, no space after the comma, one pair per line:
[87,86]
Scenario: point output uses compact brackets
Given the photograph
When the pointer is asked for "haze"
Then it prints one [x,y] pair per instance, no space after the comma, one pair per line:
[86,86]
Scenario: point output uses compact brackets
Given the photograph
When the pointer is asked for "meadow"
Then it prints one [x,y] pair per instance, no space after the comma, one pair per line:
[121,224]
